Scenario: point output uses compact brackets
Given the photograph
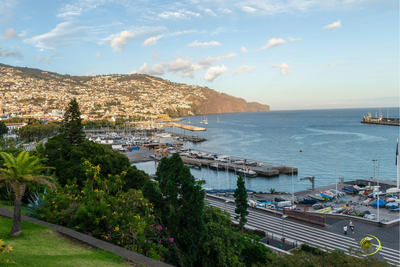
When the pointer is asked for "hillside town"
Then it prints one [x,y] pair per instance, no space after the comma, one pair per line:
[45,95]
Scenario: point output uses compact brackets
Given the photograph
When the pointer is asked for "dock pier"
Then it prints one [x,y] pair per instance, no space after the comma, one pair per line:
[266,170]
[190,138]
[381,121]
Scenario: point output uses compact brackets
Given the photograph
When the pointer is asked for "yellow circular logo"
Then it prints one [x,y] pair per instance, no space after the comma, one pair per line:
[370,245]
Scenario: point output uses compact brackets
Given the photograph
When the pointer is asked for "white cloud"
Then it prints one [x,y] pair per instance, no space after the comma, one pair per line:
[63,34]
[332,26]
[214,72]
[98,55]
[181,14]
[179,64]
[152,40]
[285,69]
[244,68]
[334,64]
[244,50]
[225,11]
[16,52]
[187,32]
[44,59]
[11,33]
[249,9]
[207,61]
[273,42]
[157,69]
[120,40]
[188,68]
[294,39]
[209,12]
[90,73]
[330,65]
[69,11]
[195,43]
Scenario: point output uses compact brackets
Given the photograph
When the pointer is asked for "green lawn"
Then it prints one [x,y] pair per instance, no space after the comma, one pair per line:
[42,246]
[4,204]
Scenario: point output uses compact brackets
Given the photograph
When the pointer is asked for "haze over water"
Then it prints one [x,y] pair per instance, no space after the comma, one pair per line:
[278,136]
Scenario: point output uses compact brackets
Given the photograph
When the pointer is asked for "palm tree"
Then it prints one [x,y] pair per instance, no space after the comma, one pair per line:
[20,171]
[272,191]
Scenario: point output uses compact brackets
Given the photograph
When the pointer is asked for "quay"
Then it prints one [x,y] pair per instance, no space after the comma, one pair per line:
[381,121]
[184,126]
[266,169]
[190,138]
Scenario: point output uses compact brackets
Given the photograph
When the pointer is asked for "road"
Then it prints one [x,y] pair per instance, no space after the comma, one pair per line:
[330,236]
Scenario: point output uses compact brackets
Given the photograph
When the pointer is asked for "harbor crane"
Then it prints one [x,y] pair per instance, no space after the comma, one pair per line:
[311,178]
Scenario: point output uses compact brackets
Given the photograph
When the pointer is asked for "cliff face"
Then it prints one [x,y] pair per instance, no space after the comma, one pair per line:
[223,103]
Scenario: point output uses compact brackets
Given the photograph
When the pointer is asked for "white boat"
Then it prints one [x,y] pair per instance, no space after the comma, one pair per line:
[238,162]
[215,166]
[393,190]
[247,171]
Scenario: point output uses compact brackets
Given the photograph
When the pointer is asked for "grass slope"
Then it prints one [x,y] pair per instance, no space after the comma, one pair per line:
[42,246]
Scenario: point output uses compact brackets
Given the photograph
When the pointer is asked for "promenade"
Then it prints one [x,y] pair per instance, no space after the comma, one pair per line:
[330,237]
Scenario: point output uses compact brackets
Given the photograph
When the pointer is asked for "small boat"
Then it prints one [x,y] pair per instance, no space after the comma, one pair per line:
[308,201]
[316,197]
[237,161]
[215,166]
[246,171]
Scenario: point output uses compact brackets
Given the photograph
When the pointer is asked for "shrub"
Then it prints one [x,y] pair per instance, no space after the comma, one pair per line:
[102,210]
[5,248]
[311,249]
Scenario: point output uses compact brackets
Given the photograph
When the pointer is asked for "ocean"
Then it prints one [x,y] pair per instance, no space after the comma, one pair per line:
[333,142]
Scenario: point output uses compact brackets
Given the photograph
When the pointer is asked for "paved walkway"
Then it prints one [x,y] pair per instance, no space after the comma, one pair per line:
[330,237]
[94,242]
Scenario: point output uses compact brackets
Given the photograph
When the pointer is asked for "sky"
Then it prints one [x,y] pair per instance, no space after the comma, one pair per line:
[289,54]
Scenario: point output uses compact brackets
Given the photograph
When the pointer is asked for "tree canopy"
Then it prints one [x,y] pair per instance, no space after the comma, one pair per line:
[179,203]
[71,127]
[241,202]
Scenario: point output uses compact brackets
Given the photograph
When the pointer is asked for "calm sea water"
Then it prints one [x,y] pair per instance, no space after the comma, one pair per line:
[326,137]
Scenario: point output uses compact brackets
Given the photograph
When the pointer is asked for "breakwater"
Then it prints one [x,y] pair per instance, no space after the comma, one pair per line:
[381,121]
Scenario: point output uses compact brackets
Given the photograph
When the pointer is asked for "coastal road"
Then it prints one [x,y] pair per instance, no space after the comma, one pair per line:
[330,236]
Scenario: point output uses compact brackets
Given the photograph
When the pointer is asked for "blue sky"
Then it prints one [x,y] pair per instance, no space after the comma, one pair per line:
[293,54]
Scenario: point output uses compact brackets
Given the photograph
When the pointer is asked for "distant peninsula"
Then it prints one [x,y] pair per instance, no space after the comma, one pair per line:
[42,93]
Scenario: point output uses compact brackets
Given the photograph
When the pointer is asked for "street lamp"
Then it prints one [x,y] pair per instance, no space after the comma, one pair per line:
[336,175]
[374,160]
[378,191]
[283,217]
[292,186]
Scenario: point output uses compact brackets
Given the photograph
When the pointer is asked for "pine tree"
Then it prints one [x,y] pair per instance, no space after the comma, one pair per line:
[71,127]
[179,203]
[241,202]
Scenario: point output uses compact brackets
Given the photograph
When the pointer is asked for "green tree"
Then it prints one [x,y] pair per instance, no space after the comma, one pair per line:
[241,202]
[3,128]
[20,171]
[68,159]
[219,245]
[179,203]
[135,179]
[71,127]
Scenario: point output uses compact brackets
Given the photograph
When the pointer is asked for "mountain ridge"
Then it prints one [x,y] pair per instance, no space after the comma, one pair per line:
[140,90]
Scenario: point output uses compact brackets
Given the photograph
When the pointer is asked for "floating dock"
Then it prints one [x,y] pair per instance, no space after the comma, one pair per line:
[266,170]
